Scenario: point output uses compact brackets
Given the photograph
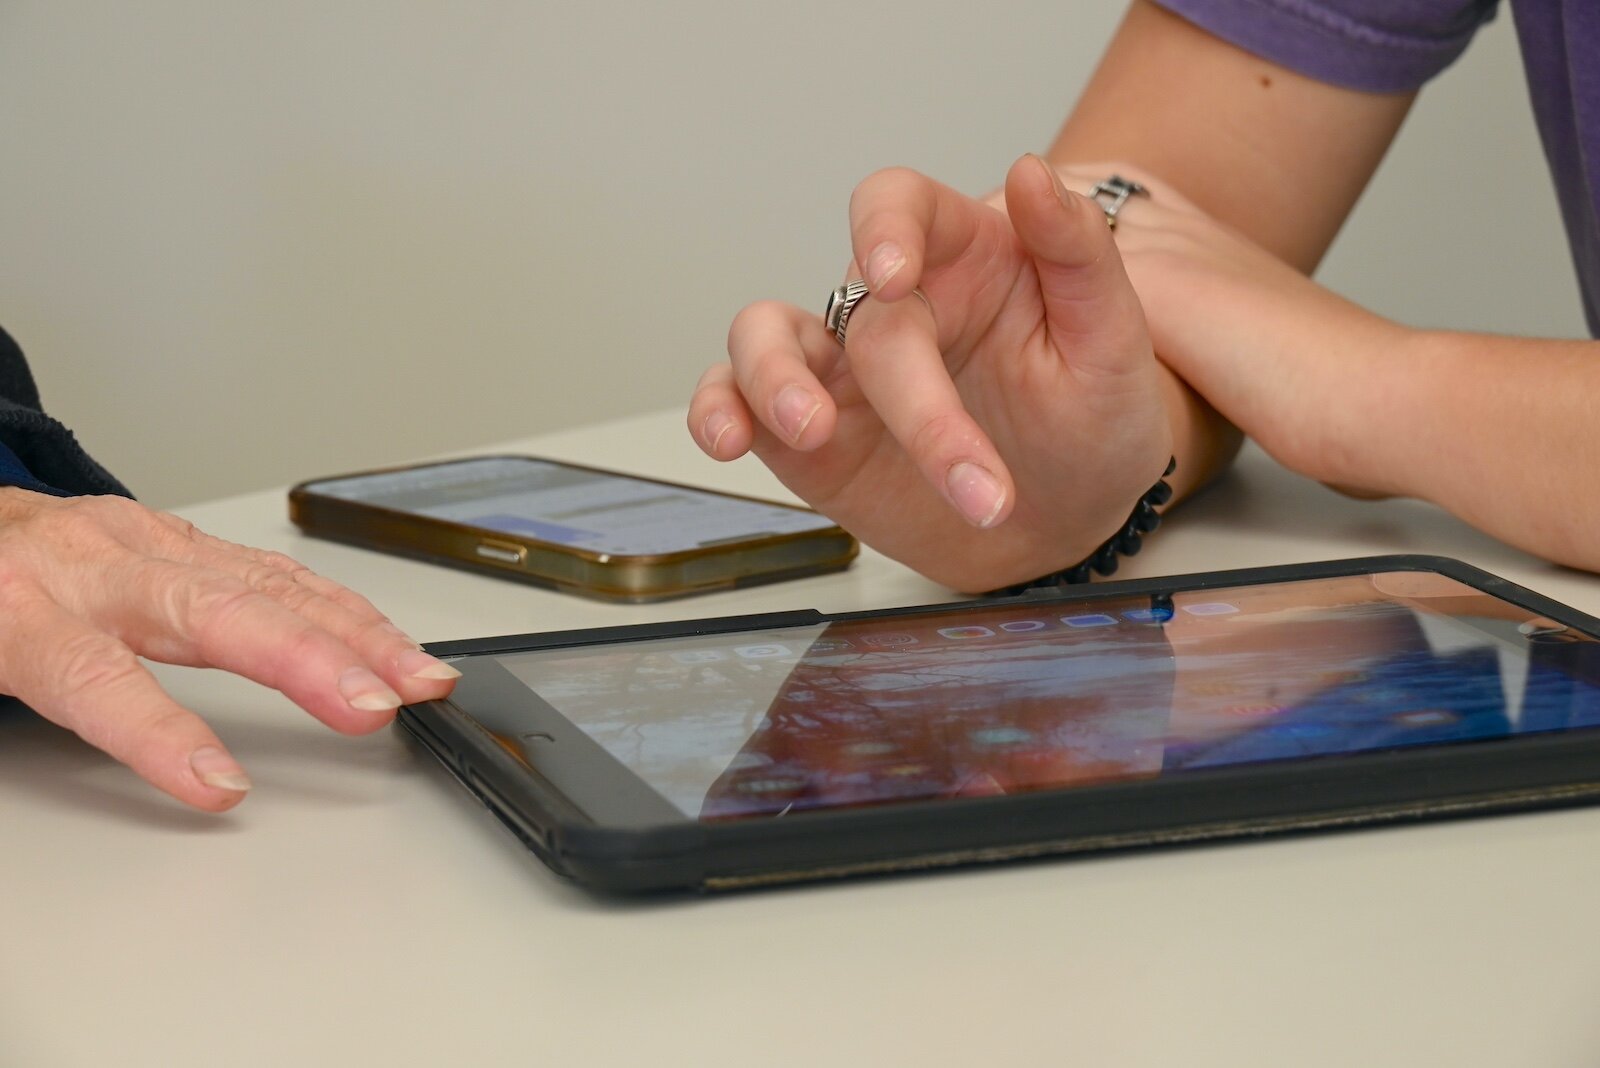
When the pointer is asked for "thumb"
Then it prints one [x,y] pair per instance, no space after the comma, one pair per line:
[1091,311]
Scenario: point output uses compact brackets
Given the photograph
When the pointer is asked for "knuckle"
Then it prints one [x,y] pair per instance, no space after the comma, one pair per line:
[767,378]
[279,585]
[885,178]
[941,436]
[210,605]
[759,377]
[715,375]
[283,562]
[90,663]
[180,528]
[111,510]
[265,578]
[756,316]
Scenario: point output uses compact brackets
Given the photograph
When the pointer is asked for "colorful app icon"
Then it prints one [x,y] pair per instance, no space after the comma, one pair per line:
[1211,608]
[699,656]
[1022,626]
[775,785]
[959,633]
[1148,615]
[888,639]
[990,737]
[1301,732]
[769,651]
[1092,619]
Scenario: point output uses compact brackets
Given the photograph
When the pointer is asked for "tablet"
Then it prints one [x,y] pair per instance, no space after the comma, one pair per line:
[740,752]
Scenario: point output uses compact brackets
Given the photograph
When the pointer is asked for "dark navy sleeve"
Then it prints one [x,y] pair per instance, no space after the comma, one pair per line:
[36,451]
[13,472]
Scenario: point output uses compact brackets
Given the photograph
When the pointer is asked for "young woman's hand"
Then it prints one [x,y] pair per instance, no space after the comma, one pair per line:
[1001,428]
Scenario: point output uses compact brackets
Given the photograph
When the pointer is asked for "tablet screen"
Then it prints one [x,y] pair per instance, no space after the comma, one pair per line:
[1029,696]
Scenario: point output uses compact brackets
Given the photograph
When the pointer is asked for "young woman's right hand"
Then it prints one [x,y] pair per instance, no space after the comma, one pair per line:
[997,432]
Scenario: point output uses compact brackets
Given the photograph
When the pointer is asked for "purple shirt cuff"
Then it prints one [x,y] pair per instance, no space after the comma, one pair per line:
[1416,41]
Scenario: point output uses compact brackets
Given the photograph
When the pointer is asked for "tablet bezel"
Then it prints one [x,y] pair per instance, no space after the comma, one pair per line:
[590,817]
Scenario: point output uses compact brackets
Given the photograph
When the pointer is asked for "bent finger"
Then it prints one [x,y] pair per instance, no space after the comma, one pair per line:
[719,419]
[203,618]
[903,224]
[778,353]
[895,358]
[349,617]
[88,682]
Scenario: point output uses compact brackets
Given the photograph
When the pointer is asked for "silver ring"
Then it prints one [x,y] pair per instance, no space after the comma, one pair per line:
[843,301]
[1118,189]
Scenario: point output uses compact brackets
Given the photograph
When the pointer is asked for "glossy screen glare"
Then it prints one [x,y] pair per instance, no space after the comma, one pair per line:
[1030,696]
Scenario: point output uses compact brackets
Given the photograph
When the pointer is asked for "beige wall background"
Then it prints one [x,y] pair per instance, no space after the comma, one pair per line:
[246,244]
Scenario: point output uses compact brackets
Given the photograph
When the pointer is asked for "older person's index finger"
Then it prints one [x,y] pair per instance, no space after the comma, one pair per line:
[205,618]
[346,615]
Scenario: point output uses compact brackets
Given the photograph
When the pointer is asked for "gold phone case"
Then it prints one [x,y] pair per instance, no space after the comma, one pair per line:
[610,577]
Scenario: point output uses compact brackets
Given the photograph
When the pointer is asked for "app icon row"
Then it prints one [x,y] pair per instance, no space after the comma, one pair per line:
[892,639]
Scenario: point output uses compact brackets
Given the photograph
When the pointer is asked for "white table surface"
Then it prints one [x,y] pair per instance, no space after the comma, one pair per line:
[360,909]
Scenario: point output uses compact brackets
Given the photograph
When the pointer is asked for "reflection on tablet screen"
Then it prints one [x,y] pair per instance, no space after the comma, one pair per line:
[1036,696]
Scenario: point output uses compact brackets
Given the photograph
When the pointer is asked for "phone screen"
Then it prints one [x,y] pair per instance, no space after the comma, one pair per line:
[1017,697]
[572,506]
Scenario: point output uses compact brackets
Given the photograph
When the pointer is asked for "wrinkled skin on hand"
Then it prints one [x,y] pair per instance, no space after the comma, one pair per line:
[89,585]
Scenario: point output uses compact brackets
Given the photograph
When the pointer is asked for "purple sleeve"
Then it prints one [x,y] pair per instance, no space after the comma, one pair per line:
[1382,46]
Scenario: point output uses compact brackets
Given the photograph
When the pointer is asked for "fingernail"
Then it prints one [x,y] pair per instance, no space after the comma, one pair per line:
[794,408]
[1055,180]
[419,665]
[976,492]
[366,692]
[716,425]
[215,768]
[883,263]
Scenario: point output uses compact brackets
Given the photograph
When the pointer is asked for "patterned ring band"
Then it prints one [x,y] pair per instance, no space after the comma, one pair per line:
[842,302]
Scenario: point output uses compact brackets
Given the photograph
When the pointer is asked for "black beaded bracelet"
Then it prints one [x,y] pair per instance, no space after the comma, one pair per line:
[1126,542]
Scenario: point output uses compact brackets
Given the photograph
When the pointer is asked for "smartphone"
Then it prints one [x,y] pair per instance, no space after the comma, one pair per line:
[728,753]
[578,529]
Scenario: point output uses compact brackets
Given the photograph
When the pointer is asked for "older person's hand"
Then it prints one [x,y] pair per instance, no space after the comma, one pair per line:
[999,431]
[88,585]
